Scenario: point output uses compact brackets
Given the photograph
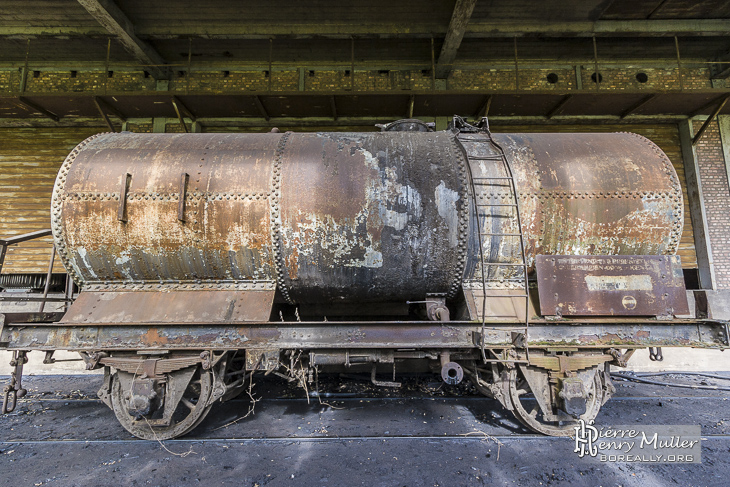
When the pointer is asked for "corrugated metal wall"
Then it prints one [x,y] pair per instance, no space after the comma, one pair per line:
[30,158]
[29,161]
[666,136]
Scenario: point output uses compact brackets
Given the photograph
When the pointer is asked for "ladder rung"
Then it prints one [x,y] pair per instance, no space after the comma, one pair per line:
[484,158]
[505,264]
[507,296]
[492,177]
[496,205]
[501,234]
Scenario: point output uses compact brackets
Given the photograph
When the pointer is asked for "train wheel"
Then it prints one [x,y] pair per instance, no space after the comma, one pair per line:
[187,413]
[529,412]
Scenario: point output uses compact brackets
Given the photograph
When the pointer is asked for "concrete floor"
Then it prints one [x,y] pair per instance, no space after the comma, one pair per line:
[424,435]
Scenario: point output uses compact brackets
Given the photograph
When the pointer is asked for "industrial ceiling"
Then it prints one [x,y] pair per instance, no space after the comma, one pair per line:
[170,38]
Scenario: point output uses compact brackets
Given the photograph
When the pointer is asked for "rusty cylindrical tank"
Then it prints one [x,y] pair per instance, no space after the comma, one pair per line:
[325,217]
[579,194]
[348,217]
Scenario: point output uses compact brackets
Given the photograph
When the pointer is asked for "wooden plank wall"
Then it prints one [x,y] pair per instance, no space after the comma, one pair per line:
[29,161]
[666,136]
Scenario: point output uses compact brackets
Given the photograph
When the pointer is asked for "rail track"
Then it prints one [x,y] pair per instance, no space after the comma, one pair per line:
[289,439]
[329,399]
[468,439]
[212,434]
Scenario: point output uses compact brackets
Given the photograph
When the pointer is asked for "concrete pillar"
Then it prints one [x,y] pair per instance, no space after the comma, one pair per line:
[697,210]
[442,123]
[302,85]
[158,125]
[724,123]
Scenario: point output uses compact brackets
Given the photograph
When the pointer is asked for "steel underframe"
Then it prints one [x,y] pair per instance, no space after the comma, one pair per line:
[574,334]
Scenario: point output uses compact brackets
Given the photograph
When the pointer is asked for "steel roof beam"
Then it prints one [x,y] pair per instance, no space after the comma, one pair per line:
[709,120]
[108,14]
[178,102]
[261,108]
[474,29]
[558,108]
[721,70]
[457,28]
[102,112]
[638,105]
[109,108]
[36,107]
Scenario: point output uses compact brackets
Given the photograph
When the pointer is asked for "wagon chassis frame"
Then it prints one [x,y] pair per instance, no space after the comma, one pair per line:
[39,331]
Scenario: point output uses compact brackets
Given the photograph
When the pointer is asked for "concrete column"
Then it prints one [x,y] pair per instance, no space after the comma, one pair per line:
[697,210]
[578,77]
[159,124]
[724,123]
[302,85]
[441,122]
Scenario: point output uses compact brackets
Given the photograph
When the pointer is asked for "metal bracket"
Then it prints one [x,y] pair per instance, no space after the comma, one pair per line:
[262,359]
[518,339]
[105,391]
[184,178]
[14,390]
[655,354]
[122,211]
[620,359]
[92,359]
[436,309]
[383,383]
[574,396]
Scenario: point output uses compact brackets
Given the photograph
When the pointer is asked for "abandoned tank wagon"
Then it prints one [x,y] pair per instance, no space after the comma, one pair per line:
[525,263]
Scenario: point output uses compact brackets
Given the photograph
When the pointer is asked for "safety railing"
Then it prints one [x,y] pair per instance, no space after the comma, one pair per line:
[5,243]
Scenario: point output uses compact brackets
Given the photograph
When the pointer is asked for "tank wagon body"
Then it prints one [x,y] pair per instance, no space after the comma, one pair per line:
[527,263]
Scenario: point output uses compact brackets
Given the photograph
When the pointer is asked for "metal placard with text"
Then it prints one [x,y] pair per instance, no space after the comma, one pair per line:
[607,285]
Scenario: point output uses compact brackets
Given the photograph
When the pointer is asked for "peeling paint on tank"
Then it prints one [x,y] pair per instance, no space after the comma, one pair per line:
[580,194]
[370,160]
[314,237]
[387,193]
[122,259]
[83,255]
[446,203]
[373,258]
[359,219]
[225,234]
[361,215]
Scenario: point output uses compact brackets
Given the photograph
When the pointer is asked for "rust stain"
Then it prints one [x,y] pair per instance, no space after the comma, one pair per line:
[588,338]
[361,215]
[153,338]
[226,233]
[580,194]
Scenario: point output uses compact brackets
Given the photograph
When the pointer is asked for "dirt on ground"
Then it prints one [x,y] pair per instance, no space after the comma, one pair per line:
[425,434]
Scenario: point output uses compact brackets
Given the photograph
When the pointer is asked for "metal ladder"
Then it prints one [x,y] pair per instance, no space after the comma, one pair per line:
[486,136]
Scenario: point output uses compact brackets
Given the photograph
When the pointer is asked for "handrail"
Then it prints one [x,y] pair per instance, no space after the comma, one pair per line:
[484,135]
[15,239]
